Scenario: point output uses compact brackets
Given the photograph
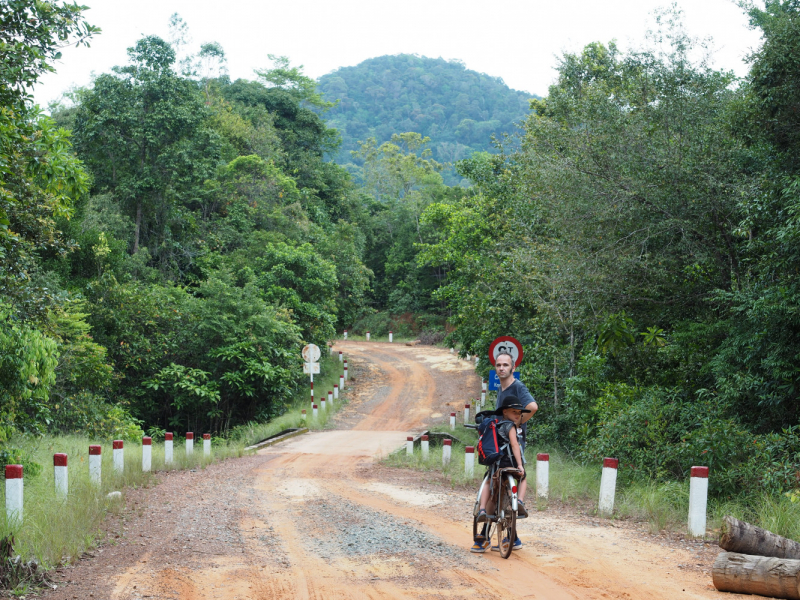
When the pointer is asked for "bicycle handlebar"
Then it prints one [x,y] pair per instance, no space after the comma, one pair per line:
[468,426]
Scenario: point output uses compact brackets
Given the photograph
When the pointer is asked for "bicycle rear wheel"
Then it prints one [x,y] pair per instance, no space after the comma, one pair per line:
[507,525]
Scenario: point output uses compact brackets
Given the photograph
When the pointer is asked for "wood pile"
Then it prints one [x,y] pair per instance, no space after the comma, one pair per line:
[756,561]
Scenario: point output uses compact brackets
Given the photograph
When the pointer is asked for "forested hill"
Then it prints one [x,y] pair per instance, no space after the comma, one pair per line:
[457,108]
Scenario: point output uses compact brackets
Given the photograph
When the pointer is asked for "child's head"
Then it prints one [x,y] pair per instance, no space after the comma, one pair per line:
[512,414]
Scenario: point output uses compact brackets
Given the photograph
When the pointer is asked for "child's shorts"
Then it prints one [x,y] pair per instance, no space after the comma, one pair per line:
[508,462]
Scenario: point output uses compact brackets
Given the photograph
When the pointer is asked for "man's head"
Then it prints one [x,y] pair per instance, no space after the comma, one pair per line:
[504,365]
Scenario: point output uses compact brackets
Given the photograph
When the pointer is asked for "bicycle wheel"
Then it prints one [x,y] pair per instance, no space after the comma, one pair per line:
[507,525]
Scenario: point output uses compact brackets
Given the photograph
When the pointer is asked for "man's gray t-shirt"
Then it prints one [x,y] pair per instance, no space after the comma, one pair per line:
[519,390]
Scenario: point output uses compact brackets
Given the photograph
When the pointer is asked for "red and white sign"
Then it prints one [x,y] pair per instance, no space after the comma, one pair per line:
[506,343]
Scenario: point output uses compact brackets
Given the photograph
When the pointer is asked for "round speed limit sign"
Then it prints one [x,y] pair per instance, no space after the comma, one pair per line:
[507,344]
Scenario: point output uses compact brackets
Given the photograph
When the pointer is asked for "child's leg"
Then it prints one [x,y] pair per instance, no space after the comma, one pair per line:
[485,494]
[523,486]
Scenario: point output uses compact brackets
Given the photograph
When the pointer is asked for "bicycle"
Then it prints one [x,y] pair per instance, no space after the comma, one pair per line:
[503,499]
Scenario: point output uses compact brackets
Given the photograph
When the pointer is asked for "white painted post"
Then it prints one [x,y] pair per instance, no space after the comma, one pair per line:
[303,415]
[390,337]
[476,360]
[341,356]
[330,350]
[368,336]
[207,445]
[452,421]
[345,372]
[341,382]
[424,445]
[316,412]
[410,445]
[335,391]
[345,335]
[467,356]
[469,461]
[312,393]
[542,475]
[452,350]
[189,443]
[698,501]
[323,405]
[608,486]
[446,447]
[14,487]
[147,454]
[119,456]
[483,398]
[95,464]
[466,414]
[484,385]
[60,475]
[167,448]
[330,397]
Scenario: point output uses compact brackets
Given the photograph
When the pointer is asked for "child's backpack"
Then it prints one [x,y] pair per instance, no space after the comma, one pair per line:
[489,448]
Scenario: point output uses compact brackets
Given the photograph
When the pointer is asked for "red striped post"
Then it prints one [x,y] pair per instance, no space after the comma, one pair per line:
[189,443]
[345,336]
[330,397]
[368,336]
[147,453]
[315,411]
[466,414]
[608,486]
[167,448]
[95,464]
[390,337]
[698,501]
[446,448]
[335,391]
[341,356]
[409,445]
[118,452]
[60,475]
[469,460]
[425,446]
[452,421]
[542,475]
[207,444]
[14,493]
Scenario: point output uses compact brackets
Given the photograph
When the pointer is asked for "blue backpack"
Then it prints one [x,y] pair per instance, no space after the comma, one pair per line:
[489,448]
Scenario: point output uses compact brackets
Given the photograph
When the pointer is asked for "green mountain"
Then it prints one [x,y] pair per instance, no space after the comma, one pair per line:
[457,108]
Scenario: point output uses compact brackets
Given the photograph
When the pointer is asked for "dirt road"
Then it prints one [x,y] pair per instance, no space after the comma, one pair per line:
[316,518]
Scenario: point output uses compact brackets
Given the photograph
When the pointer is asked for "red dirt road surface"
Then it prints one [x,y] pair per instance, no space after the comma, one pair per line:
[316,518]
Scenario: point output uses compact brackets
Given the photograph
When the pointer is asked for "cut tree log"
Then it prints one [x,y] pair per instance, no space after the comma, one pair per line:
[744,538]
[762,575]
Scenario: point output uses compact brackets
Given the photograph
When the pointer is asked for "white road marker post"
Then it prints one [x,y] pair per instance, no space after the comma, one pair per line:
[424,444]
[345,373]
[207,445]
[477,360]
[390,337]
[189,443]
[60,476]
[168,448]
[323,405]
[330,397]
[446,447]
[345,335]
[316,412]
[335,391]
[14,487]
[452,350]
[542,475]
[368,336]
[469,460]
[410,445]
[466,414]
[118,450]
[303,415]
[341,381]
[95,464]
[341,356]
[608,486]
[698,501]
[147,454]
[452,421]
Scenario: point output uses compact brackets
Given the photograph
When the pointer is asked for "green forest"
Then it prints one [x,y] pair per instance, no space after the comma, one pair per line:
[458,109]
[169,238]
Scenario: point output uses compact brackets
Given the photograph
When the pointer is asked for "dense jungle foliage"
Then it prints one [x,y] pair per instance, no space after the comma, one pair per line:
[170,237]
[458,109]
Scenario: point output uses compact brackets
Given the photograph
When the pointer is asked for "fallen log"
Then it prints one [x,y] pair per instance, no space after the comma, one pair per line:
[744,538]
[762,575]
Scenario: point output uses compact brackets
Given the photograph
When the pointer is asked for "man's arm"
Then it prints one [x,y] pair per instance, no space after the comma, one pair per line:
[533,407]
[515,449]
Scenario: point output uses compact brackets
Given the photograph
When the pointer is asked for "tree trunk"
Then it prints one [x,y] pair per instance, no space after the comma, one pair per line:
[138,227]
[765,576]
[738,536]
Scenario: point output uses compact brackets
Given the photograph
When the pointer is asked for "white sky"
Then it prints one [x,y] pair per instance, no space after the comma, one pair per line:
[517,40]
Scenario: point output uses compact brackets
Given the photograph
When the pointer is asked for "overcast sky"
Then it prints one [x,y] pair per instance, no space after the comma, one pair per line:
[517,40]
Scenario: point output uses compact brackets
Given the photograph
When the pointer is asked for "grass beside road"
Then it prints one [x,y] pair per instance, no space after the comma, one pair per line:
[664,506]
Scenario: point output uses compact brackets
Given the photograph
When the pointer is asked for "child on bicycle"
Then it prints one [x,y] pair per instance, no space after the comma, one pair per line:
[510,433]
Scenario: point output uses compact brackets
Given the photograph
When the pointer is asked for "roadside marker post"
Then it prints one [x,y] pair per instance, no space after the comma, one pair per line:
[167,448]
[698,501]
[368,336]
[335,391]
[147,453]
[608,486]
[323,405]
[446,447]
[466,414]
[345,336]
[452,421]
[483,398]
[118,450]
[466,357]
[484,383]
[390,337]
[330,397]
[189,443]
[424,445]
[452,350]
[345,373]
[409,445]
[341,381]
[476,360]
[469,461]
[303,415]
[95,464]
[14,487]
[207,445]
[314,409]
[341,356]
[60,476]
[542,475]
